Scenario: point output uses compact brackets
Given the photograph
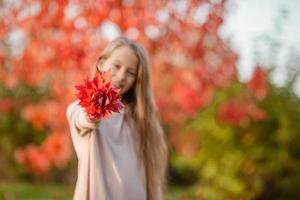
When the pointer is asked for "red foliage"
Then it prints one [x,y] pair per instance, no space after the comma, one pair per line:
[239,111]
[56,148]
[259,83]
[62,40]
[36,115]
[6,105]
[34,159]
[98,97]
[191,94]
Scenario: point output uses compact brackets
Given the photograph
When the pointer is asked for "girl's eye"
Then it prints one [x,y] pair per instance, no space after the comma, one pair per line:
[116,66]
[131,73]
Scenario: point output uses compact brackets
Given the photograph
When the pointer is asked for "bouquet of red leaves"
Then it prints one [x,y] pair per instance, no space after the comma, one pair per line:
[98,97]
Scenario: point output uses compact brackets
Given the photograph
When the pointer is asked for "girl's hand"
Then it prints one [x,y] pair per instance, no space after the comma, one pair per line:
[95,121]
[79,119]
[83,123]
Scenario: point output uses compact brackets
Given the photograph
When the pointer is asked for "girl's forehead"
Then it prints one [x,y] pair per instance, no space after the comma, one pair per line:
[123,51]
[125,55]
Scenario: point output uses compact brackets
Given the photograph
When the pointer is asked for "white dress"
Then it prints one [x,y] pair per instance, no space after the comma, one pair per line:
[108,167]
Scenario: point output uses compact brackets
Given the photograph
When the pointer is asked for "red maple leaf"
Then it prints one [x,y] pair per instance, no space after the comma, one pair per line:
[98,97]
[259,83]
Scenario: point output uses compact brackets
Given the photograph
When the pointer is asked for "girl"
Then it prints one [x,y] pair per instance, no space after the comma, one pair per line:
[123,156]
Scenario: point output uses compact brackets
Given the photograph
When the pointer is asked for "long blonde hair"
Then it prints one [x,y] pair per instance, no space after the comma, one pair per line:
[140,105]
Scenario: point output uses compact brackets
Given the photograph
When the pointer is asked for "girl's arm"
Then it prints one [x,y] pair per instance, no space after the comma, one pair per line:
[78,116]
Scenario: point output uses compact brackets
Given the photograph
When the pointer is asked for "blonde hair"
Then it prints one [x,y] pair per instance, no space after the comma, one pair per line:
[140,105]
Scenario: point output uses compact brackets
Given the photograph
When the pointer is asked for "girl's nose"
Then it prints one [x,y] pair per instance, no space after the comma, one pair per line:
[120,75]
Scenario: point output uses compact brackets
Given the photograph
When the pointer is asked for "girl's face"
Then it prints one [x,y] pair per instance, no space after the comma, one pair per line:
[122,64]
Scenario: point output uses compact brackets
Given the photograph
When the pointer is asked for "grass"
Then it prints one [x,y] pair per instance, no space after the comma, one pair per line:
[181,193]
[26,191]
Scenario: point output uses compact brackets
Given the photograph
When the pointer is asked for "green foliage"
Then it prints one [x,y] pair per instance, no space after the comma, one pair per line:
[15,132]
[259,161]
[51,191]
[27,191]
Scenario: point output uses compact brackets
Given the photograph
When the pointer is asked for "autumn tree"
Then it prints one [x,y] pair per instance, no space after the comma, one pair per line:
[47,47]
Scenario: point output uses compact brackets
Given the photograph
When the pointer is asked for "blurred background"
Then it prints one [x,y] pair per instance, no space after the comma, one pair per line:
[225,74]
